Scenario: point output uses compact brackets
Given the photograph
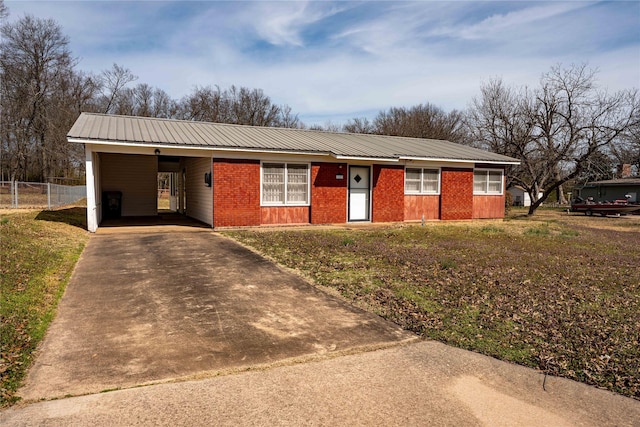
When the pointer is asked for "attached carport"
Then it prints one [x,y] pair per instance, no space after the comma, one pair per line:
[128,176]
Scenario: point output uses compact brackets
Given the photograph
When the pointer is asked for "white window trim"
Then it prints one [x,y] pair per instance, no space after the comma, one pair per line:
[422,192]
[285,163]
[486,191]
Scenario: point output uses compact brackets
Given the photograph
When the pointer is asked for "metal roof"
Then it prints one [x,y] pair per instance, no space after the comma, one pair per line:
[140,131]
[632,181]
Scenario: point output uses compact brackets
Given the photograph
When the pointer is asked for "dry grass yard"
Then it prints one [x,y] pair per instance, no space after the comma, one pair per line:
[557,292]
[38,250]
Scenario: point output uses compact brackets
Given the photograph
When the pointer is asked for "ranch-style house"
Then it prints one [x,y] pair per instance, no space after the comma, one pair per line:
[232,175]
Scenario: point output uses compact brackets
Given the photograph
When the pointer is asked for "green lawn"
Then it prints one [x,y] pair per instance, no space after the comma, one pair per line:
[556,292]
[38,251]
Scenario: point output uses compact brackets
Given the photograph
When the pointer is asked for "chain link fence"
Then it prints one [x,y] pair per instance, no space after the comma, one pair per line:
[24,195]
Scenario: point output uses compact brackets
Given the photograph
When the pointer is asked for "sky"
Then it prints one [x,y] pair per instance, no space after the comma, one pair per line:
[333,61]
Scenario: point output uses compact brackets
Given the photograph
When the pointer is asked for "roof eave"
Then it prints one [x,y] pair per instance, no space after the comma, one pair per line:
[192,147]
[441,159]
[281,151]
[363,158]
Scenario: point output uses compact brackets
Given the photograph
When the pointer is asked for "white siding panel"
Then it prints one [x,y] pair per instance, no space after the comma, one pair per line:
[199,196]
[136,176]
[91,168]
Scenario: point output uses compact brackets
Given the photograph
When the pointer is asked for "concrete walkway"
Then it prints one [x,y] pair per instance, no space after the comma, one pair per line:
[423,383]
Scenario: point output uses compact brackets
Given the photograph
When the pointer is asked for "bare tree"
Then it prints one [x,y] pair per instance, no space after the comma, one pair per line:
[4,140]
[163,106]
[359,125]
[287,118]
[34,57]
[252,107]
[419,121]
[4,12]
[113,82]
[499,121]
[556,130]
[628,151]
[598,167]
[236,105]
[144,100]
[75,92]
[329,126]
[203,104]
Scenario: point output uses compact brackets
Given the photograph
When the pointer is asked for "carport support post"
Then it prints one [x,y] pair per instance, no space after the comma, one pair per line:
[92,214]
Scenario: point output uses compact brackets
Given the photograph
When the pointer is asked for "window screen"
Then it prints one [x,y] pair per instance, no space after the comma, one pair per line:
[421,181]
[285,183]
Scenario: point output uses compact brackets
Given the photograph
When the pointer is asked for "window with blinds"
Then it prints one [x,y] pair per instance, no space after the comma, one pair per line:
[421,181]
[487,181]
[285,184]
[273,183]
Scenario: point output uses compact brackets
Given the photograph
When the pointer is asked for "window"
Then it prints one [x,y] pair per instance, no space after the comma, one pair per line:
[421,181]
[285,184]
[487,181]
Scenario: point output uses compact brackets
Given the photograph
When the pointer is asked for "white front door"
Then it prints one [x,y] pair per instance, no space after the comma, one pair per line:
[359,193]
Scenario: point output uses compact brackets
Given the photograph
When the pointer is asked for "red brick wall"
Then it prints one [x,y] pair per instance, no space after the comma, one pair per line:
[415,206]
[236,192]
[284,215]
[488,207]
[388,193]
[328,194]
[456,194]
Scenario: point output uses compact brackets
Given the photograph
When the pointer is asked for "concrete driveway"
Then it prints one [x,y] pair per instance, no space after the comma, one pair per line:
[153,306]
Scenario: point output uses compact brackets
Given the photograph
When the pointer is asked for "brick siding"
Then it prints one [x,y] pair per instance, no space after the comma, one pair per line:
[488,207]
[456,198]
[273,215]
[388,193]
[328,194]
[236,192]
[417,207]
[236,196]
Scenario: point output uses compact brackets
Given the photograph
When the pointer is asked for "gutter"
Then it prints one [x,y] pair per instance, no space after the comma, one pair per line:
[440,159]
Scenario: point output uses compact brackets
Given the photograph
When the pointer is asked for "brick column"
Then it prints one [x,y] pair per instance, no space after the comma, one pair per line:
[456,194]
[236,192]
[328,194]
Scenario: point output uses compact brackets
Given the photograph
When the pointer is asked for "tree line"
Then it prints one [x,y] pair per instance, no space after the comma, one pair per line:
[565,130]
[42,93]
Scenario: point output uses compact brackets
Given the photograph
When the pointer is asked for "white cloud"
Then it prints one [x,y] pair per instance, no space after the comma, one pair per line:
[497,25]
[341,60]
[280,23]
